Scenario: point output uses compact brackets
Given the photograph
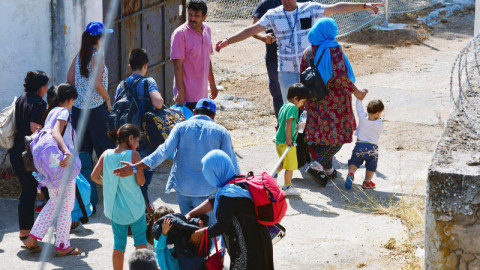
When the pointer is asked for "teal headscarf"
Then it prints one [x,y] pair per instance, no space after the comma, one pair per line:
[323,34]
[217,167]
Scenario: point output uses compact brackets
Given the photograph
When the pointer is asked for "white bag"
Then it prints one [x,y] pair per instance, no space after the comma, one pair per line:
[7,126]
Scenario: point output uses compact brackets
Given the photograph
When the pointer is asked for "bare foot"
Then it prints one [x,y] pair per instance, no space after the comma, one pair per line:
[30,242]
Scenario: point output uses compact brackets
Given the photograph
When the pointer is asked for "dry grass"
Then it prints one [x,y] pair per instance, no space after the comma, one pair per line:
[409,208]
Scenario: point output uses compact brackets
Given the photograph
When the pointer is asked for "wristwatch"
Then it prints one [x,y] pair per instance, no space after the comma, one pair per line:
[134,169]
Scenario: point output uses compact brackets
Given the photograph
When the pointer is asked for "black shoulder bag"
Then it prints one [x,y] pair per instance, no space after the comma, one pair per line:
[312,79]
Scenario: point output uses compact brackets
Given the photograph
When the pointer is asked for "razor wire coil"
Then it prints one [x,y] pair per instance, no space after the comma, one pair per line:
[465,87]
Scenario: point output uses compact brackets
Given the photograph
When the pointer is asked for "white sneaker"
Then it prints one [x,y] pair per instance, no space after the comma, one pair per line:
[291,191]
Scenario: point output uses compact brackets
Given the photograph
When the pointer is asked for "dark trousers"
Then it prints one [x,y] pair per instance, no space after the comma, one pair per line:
[144,151]
[324,154]
[26,202]
[95,138]
[273,85]
[148,174]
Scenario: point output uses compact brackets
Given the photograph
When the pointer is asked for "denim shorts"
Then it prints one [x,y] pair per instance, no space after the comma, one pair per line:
[139,230]
[365,152]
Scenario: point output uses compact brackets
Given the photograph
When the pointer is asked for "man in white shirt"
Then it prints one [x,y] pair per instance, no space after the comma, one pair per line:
[290,23]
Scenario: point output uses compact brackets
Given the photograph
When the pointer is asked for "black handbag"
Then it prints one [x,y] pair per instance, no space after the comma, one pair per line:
[312,79]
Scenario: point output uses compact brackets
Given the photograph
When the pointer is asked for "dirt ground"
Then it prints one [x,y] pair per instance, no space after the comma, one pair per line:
[327,228]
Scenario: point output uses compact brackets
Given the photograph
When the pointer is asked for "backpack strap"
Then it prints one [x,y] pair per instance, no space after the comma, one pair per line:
[84,218]
[146,96]
[316,66]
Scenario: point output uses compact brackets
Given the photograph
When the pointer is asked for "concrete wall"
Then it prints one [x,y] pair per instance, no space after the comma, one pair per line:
[30,41]
[25,44]
[43,35]
[70,19]
[452,219]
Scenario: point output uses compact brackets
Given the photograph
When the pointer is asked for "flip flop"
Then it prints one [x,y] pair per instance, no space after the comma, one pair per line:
[73,251]
[36,249]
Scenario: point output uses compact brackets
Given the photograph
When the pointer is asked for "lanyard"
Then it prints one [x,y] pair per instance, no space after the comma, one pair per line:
[290,24]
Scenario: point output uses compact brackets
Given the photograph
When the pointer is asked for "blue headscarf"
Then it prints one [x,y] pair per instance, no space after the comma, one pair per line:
[323,34]
[217,167]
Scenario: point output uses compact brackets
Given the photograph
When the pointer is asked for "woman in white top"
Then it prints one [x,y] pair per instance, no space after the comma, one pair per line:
[98,104]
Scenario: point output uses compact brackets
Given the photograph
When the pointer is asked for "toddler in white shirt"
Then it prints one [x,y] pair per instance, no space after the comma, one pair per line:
[366,149]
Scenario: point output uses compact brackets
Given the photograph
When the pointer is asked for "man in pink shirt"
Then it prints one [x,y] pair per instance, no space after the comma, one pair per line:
[190,51]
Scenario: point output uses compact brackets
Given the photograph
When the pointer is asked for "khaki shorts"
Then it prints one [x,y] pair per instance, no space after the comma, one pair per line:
[290,162]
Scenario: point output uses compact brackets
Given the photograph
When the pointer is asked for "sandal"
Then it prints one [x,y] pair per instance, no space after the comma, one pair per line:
[72,251]
[74,225]
[36,249]
[23,238]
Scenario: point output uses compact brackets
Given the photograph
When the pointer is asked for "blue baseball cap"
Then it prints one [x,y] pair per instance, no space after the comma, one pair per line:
[97,28]
[207,104]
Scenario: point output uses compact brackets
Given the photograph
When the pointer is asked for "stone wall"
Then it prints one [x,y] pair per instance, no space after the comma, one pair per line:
[452,224]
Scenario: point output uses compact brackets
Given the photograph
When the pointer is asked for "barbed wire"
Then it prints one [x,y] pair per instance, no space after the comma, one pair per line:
[226,17]
[465,87]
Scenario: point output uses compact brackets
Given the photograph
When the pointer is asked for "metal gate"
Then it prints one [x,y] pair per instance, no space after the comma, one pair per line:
[144,24]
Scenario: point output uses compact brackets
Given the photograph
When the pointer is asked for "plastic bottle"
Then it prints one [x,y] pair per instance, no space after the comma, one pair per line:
[302,121]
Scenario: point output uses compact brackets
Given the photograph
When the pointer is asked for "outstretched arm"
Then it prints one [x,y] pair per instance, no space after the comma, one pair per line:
[244,34]
[343,7]
[266,38]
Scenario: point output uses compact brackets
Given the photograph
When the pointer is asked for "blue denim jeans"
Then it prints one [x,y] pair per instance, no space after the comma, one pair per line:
[273,85]
[188,203]
[286,79]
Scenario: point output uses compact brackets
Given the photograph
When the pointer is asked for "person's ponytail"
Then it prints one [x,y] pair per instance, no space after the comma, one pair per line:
[86,51]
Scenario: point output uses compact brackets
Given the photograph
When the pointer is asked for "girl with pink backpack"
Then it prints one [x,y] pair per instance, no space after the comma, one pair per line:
[52,152]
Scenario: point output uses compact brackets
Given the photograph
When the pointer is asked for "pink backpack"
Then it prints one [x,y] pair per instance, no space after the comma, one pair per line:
[47,155]
[268,198]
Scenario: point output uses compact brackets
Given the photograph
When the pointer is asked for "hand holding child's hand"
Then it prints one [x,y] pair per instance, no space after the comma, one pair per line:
[166,226]
[360,94]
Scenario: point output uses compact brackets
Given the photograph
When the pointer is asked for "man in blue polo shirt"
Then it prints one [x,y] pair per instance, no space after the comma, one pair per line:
[191,140]
[138,62]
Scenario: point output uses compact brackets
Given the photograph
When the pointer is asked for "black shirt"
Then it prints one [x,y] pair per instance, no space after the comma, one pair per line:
[29,107]
[260,10]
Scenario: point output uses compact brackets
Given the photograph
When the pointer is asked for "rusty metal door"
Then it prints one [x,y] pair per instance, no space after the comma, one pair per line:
[144,24]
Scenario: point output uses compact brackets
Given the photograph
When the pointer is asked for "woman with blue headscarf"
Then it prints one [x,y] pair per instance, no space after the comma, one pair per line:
[248,242]
[330,122]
